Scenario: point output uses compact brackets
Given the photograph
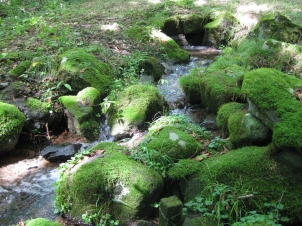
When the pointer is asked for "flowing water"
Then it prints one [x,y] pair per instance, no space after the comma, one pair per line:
[26,186]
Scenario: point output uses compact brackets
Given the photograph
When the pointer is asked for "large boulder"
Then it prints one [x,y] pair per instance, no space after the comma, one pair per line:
[274,99]
[109,182]
[80,70]
[60,152]
[175,143]
[258,172]
[279,27]
[12,121]
[82,112]
[135,106]
[221,30]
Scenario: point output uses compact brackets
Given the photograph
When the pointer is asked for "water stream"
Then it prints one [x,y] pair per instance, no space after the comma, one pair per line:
[26,186]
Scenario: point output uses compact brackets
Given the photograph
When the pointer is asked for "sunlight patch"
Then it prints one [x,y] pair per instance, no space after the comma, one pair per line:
[154,1]
[110,27]
[200,2]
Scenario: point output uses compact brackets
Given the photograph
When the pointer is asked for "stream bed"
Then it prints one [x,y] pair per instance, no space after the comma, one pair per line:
[26,184]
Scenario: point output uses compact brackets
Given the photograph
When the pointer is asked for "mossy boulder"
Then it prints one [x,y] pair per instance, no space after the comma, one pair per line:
[225,112]
[270,175]
[82,111]
[221,30]
[183,169]
[215,87]
[152,67]
[184,24]
[20,69]
[80,70]
[41,222]
[245,129]
[279,27]
[111,183]
[12,121]
[135,106]
[273,100]
[175,143]
[170,48]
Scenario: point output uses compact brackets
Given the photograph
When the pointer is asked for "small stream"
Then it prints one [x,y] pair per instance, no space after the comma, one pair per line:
[26,186]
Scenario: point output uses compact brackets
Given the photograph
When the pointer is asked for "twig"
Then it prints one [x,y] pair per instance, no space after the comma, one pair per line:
[246,196]
[47,131]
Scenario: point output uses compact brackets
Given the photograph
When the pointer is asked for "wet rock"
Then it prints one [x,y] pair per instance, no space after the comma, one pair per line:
[60,152]
[210,122]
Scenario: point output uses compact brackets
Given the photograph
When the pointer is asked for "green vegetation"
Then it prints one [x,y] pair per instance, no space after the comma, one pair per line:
[41,222]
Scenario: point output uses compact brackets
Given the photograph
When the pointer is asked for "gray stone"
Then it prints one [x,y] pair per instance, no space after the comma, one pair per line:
[170,211]
[60,152]
[210,122]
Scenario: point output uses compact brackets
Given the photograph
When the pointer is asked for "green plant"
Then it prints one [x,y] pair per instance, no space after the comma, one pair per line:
[217,144]
[152,158]
[232,205]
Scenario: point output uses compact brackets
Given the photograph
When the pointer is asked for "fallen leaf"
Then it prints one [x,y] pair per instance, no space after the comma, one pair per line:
[83,70]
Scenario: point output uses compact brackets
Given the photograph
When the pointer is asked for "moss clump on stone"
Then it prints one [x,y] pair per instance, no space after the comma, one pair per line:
[271,176]
[217,87]
[152,67]
[37,105]
[112,184]
[20,69]
[279,27]
[174,52]
[225,112]
[183,169]
[80,70]
[81,118]
[41,222]
[11,121]
[191,85]
[89,96]
[272,92]
[175,143]
[221,30]
[184,24]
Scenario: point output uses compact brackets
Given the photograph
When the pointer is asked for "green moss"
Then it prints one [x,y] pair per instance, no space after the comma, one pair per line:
[41,222]
[139,104]
[38,106]
[152,67]
[220,87]
[114,184]
[272,90]
[139,33]
[222,18]
[224,113]
[279,27]
[174,52]
[89,96]
[272,177]
[75,108]
[80,69]
[89,129]
[235,127]
[20,69]
[175,143]
[191,85]
[183,169]
[109,147]
[11,120]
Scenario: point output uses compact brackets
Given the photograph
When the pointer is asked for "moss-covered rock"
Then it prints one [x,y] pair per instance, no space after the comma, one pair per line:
[169,48]
[80,70]
[272,98]
[20,69]
[111,183]
[224,113]
[89,96]
[175,143]
[11,121]
[183,169]
[37,106]
[245,129]
[184,24]
[279,27]
[82,113]
[138,104]
[271,176]
[152,67]
[41,222]
[215,87]
[221,30]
